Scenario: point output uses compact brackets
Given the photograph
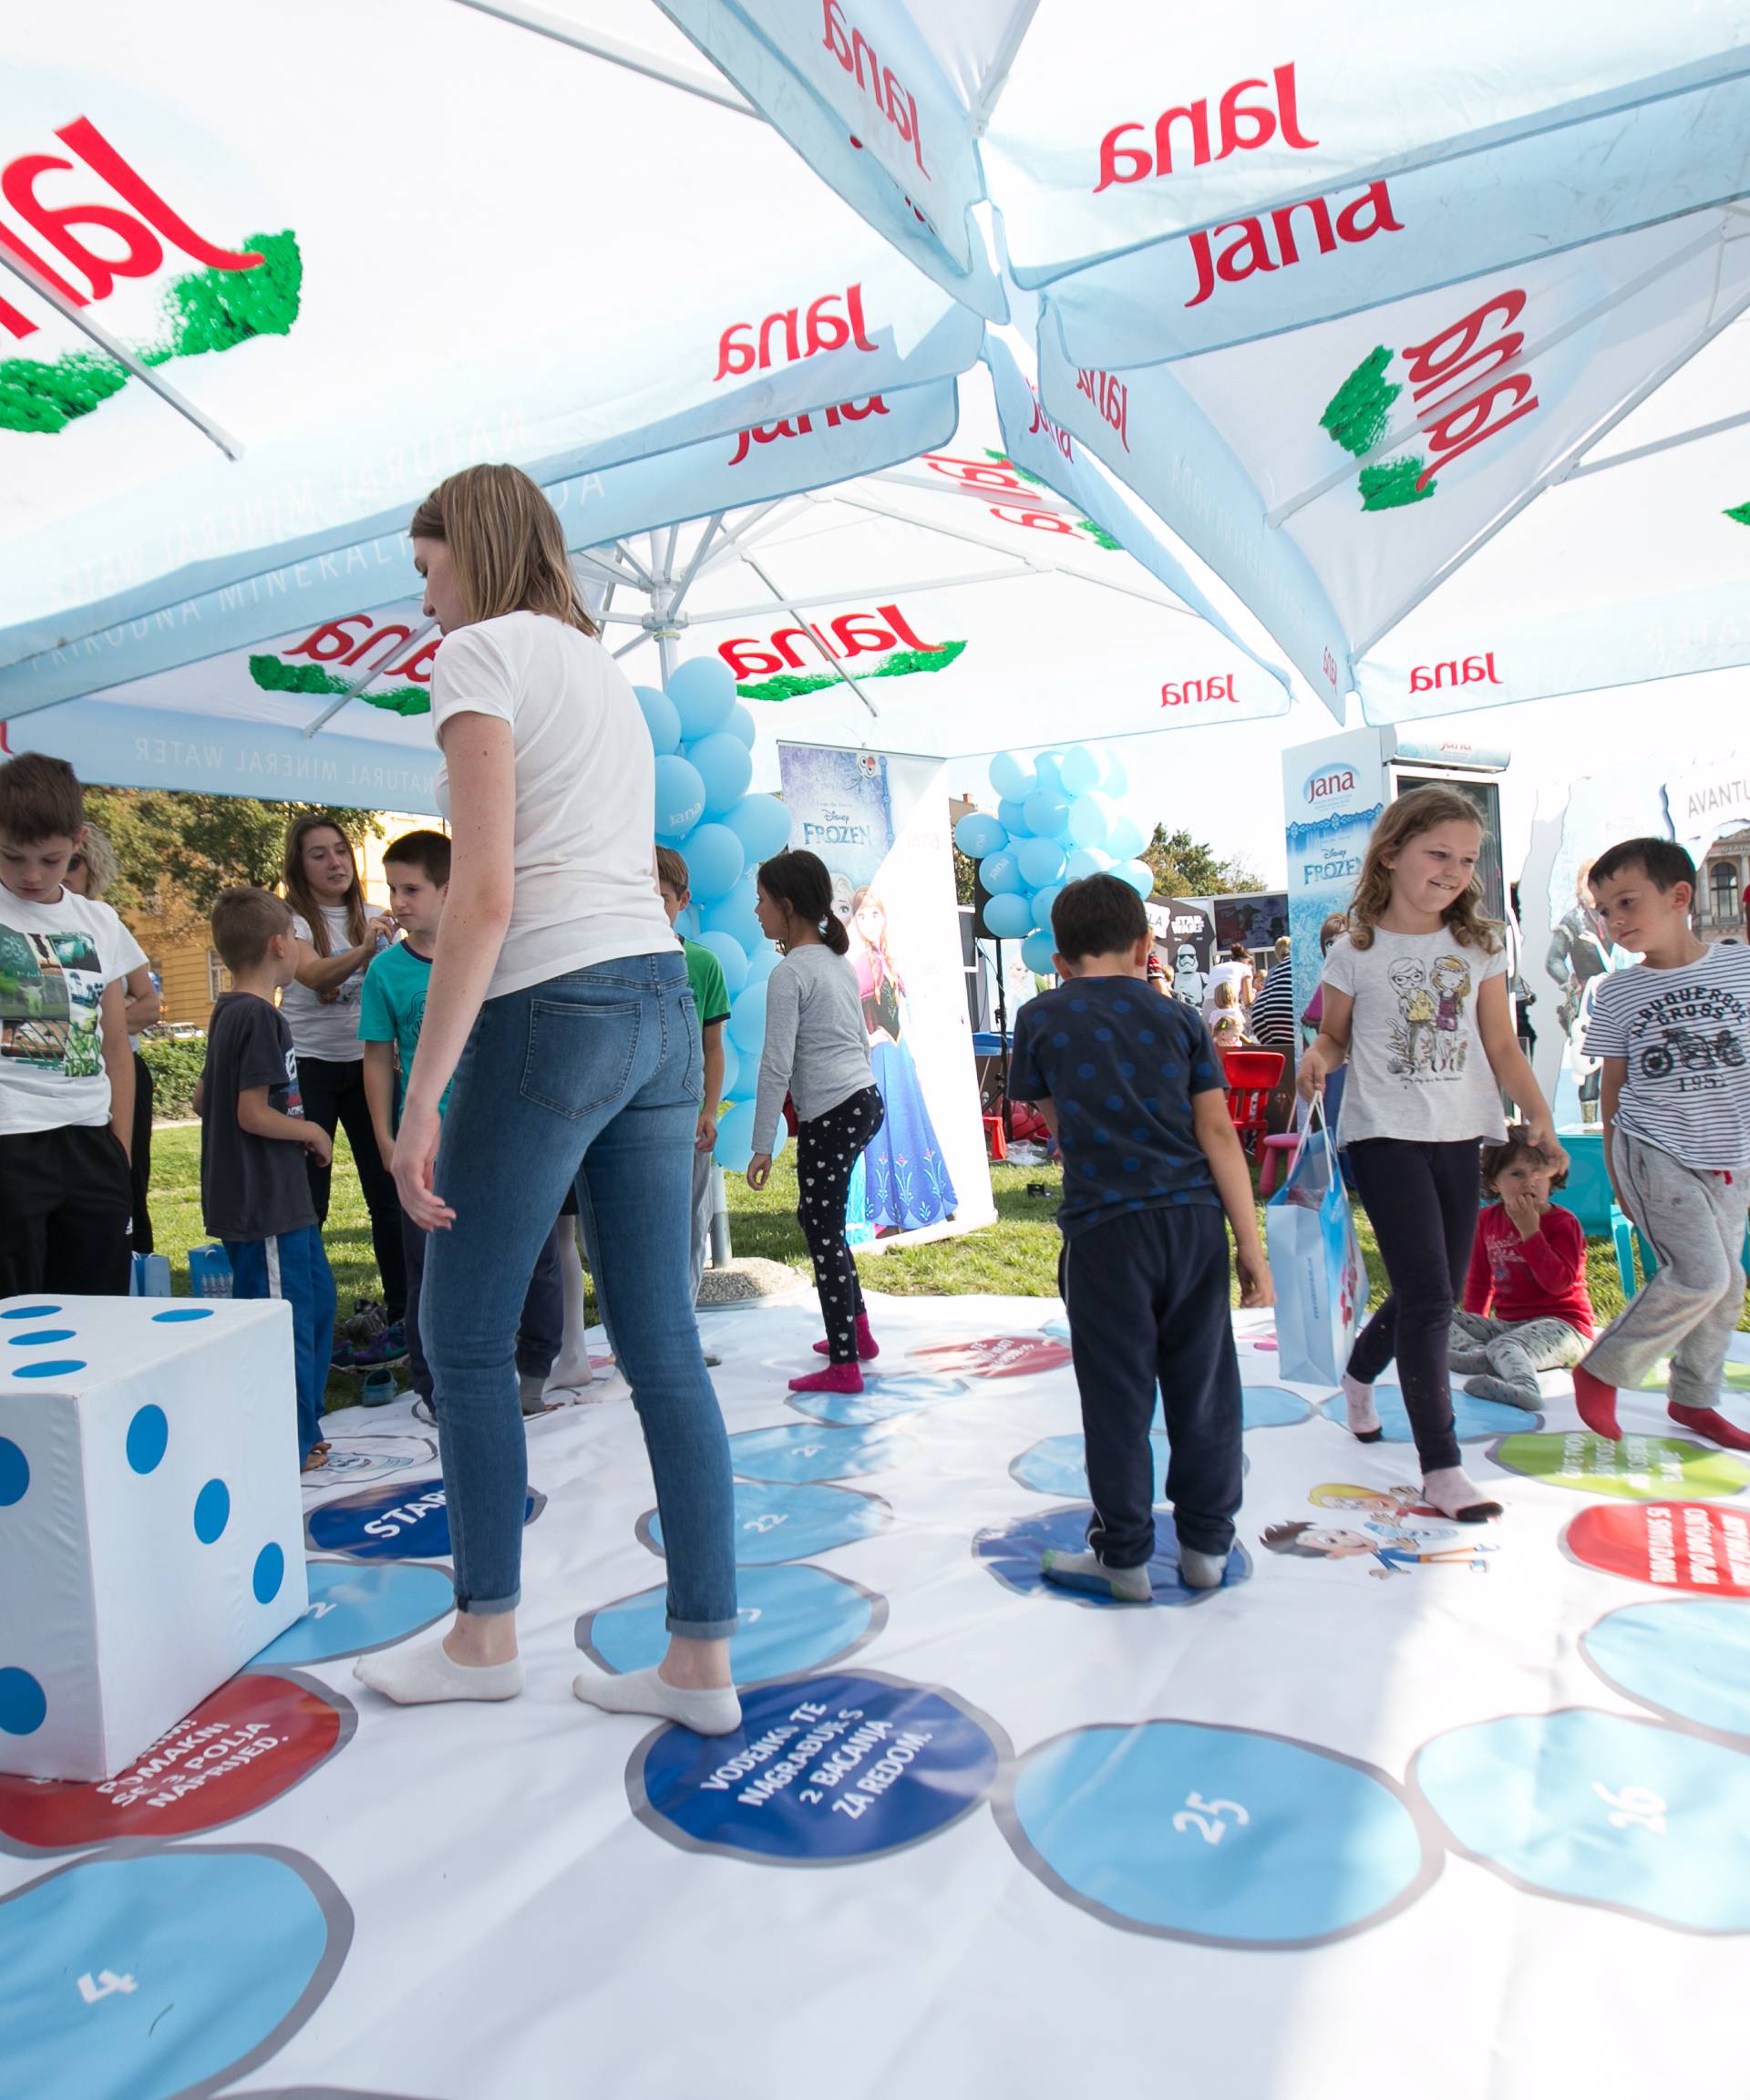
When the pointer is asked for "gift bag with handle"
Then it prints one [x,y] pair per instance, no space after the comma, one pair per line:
[1315,1264]
[150,1276]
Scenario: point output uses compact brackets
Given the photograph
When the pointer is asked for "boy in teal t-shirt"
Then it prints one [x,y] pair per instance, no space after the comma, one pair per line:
[391,1008]
[711,996]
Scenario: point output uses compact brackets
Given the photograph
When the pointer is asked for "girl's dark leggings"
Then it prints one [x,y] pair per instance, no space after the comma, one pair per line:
[827,1148]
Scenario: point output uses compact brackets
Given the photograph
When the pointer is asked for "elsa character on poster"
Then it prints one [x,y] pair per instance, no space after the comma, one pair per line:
[907,1179]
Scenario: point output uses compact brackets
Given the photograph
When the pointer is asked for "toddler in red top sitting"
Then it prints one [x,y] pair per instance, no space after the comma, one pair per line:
[1529,1265]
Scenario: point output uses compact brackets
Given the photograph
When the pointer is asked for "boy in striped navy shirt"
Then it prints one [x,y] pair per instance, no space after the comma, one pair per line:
[1674,1034]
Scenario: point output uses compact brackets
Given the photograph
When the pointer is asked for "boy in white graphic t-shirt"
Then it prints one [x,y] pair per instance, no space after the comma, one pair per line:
[67,1073]
[1674,1033]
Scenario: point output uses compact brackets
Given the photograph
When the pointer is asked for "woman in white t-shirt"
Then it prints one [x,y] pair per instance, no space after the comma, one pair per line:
[558,1002]
[321,1008]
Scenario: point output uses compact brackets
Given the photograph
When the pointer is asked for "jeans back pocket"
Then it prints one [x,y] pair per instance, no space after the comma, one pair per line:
[580,1058]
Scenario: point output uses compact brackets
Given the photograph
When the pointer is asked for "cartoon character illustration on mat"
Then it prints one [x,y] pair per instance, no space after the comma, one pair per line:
[1396,1551]
[1389,1504]
[1449,981]
[1187,979]
[906,1177]
[1413,1039]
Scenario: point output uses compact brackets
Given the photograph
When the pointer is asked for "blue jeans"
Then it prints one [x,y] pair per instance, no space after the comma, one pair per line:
[293,1266]
[595,1079]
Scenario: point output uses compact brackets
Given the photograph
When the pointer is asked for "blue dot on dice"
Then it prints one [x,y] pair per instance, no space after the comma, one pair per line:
[15,1473]
[212,1511]
[184,1312]
[59,1367]
[40,1337]
[23,1705]
[1216,1834]
[148,1435]
[1599,1808]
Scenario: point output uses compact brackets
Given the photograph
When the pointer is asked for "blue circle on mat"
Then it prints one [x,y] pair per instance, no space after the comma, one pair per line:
[800,1452]
[1012,1552]
[219,1947]
[15,1473]
[184,1312]
[28,1312]
[822,1770]
[1059,1329]
[1688,1657]
[402,1520]
[1472,1419]
[23,1705]
[1055,1466]
[212,1511]
[1271,1407]
[148,1435]
[41,1337]
[355,1605]
[880,1400]
[62,1367]
[269,1572]
[789,1521]
[792,1618]
[1599,1808]
[1216,1834]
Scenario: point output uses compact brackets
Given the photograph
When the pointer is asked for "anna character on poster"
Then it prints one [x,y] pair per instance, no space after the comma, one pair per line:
[907,1180]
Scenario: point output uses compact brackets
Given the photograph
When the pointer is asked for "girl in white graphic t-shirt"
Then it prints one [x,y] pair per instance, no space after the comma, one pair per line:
[1414,1001]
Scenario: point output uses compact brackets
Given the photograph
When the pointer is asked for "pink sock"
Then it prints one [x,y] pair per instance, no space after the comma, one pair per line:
[1709,1422]
[868,1347]
[1359,1411]
[1597,1404]
[835,1378]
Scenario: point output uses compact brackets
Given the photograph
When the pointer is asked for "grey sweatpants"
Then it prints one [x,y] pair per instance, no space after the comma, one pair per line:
[1501,1358]
[1695,1222]
[701,1163]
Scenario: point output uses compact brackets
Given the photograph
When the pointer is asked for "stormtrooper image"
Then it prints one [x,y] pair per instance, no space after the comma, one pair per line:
[1187,979]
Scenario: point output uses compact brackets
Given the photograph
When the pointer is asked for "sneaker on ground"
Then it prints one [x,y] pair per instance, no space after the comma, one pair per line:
[387,1345]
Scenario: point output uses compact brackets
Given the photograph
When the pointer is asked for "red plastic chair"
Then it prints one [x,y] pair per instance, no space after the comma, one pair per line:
[1250,1075]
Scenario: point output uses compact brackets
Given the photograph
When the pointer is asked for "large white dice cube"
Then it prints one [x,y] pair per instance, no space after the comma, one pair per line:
[151,1523]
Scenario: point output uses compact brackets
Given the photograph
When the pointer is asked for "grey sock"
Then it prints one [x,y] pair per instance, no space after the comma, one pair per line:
[1201,1570]
[531,1385]
[1088,1571]
[1509,1395]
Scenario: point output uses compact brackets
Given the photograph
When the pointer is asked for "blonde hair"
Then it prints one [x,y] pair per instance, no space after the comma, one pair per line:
[1225,995]
[101,866]
[1423,810]
[507,544]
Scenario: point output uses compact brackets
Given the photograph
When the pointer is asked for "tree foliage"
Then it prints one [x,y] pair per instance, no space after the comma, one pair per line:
[178,851]
[1187,867]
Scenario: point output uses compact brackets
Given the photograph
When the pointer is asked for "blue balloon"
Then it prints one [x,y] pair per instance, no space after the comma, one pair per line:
[1012,817]
[735,916]
[1048,813]
[736,1139]
[1117,781]
[762,961]
[1043,901]
[747,1023]
[1011,776]
[762,823]
[686,923]
[1038,952]
[1045,768]
[977,835]
[661,718]
[704,690]
[680,800]
[1009,917]
[1088,861]
[1041,860]
[1125,837]
[715,860]
[1090,818]
[733,961]
[725,765]
[731,1065]
[740,725]
[1078,770]
[1140,875]
[1001,875]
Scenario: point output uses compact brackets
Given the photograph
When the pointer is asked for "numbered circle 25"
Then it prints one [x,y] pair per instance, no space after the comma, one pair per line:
[823,1771]
[792,1617]
[1600,1809]
[157,1972]
[1223,1834]
[250,1741]
[790,1521]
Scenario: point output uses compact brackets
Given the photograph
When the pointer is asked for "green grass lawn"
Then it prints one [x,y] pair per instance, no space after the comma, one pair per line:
[1017,1256]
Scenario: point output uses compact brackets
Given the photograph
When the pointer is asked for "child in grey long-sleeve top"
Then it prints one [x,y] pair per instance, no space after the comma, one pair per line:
[817,1051]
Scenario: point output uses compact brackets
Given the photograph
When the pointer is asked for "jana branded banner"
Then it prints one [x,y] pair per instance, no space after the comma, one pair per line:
[1333,793]
[879,822]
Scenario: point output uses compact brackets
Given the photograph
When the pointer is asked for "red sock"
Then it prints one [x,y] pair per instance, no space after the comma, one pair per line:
[868,1347]
[835,1378]
[1597,1404]
[1709,1422]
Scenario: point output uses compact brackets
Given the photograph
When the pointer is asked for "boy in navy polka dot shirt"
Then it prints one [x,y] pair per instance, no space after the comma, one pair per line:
[1132,1087]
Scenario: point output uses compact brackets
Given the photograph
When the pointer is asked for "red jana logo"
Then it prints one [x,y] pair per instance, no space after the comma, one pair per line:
[1197,691]
[1456,670]
[806,425]
[887,94]
[349,645]
[1241,128]
[1111,400]
[799,332]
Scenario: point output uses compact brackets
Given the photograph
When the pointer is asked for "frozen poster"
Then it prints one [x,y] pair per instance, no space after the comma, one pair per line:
[873,818]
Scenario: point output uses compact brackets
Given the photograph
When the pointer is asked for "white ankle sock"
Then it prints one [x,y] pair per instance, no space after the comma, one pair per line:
[1358,1407]
[426,1675]
[705,1712]
[1451,1491]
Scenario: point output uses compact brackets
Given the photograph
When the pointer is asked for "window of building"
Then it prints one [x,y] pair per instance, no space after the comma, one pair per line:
[1725,889]
[218,976]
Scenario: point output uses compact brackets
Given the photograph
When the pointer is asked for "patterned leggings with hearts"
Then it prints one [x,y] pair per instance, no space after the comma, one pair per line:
[827,1148]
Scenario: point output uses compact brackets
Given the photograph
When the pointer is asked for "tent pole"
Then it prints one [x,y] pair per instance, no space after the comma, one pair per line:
[358,685]
[830,661]
[1003,1039]
[706,86]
